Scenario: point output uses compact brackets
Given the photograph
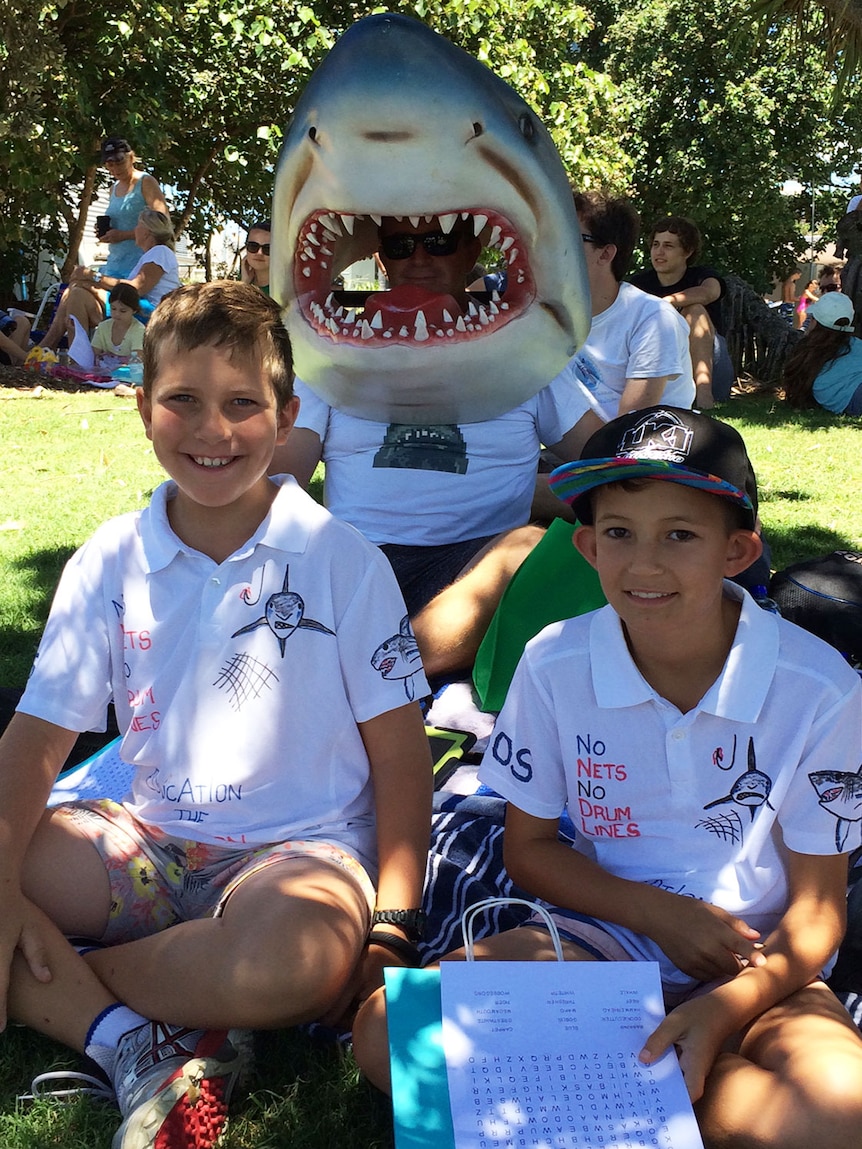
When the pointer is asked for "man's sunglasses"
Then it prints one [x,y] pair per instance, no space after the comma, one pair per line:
[401,245]
[253,247]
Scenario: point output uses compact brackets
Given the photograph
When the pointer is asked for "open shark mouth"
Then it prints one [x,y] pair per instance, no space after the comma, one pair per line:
[408,314]
[397,122]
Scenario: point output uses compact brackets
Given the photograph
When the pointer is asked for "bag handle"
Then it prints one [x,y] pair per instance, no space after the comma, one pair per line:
[469,915]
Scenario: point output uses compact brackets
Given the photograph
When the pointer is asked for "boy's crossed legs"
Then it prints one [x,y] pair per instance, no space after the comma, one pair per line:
[289,931]
[793,1080]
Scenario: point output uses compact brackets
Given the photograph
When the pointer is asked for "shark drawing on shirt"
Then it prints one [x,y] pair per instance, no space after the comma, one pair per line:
[284,614]
[839,792]
[398,657]
[751,789]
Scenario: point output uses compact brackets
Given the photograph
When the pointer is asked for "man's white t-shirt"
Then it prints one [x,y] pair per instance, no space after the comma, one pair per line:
[638,337]
[432,485]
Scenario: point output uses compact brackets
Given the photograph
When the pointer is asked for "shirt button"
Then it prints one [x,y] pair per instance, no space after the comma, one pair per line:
[678,735]
[215,581]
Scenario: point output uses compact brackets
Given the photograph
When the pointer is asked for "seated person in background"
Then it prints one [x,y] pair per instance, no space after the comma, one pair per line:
[116,338]
[153,276]
[431,497]
[255,263]
[637,351]
[281,777]
[721,861]
[694,291]
[825,366]
[14,338]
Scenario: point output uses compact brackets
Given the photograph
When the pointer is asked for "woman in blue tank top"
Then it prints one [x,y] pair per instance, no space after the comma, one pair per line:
[132,192]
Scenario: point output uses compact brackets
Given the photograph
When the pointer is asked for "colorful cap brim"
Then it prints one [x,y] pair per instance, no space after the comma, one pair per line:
[573,480]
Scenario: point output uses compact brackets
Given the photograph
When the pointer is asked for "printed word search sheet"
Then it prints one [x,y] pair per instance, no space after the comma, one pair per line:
[545,1054]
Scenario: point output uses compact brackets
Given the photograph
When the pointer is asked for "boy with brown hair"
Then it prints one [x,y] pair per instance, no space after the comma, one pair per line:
[236,883]
[706,751]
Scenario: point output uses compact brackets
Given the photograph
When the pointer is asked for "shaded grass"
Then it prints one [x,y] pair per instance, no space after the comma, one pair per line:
[301,1093]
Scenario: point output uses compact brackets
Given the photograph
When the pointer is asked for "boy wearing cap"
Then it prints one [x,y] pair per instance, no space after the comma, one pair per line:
[706,751]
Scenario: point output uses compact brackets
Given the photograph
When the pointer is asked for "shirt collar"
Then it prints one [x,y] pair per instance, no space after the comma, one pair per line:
[738,693]
[288,525]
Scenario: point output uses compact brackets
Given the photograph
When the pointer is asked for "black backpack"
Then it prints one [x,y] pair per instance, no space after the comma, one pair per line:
[824,595]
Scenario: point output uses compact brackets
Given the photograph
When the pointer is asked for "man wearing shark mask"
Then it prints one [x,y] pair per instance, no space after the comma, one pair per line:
[432,496]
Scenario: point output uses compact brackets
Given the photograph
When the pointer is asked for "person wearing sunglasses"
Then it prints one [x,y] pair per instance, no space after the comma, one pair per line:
[132,191]
[424,255]
[433,497]
[255,261]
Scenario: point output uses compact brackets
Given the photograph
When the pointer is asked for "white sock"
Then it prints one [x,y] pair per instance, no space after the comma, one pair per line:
[104,1034]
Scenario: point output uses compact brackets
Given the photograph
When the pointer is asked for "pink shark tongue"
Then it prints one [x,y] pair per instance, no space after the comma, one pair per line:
[401,305]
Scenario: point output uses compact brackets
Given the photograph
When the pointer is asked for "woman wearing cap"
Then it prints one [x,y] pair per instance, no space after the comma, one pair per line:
[826,366]
[255,263]
[154,275]
[131,192]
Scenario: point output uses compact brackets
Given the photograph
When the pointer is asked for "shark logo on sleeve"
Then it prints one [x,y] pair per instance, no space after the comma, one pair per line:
[398,657]
[751,789]
[839,792]
[284,614]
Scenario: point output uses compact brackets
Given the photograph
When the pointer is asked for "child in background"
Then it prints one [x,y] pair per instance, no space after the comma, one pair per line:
[120,336]
[281,774]
[707,752]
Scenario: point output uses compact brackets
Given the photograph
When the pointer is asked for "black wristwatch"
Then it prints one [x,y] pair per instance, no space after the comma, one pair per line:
[411,921]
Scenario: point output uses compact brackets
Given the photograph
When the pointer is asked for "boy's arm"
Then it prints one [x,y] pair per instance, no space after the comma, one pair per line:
[32,752]
[639,393]
[707,291]
[702,940]
[402,773]
[795,952]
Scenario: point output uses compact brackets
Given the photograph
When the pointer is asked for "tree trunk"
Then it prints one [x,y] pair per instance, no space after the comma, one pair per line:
[78,223]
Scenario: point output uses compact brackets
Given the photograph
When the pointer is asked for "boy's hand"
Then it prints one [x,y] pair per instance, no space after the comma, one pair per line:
[702,940]
[697,1030]
[19,930]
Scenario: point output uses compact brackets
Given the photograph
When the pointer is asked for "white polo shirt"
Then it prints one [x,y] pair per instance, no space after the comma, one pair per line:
[704,803]
[238,686]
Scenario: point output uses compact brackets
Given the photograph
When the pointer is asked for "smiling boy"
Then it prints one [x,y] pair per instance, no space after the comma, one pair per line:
[235,884]
[689,734]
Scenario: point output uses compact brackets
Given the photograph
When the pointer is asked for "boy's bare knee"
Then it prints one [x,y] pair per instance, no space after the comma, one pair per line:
[371,1041]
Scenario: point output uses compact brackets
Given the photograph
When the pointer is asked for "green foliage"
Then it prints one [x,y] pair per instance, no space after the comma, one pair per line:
[536,49]
[204,88]
[723,118]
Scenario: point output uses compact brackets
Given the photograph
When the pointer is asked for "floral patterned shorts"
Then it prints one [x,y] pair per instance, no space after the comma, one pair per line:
[157,880]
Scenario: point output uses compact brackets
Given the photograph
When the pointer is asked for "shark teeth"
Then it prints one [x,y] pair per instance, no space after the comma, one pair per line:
[317,251]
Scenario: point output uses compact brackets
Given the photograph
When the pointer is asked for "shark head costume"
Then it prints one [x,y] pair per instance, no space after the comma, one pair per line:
[398,122]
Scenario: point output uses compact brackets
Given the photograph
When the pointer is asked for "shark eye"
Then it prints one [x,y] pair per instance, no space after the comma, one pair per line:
[526,126]
[312,133]
[477,129]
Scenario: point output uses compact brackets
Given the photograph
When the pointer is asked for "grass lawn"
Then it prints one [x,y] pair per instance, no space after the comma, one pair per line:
[70,461]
